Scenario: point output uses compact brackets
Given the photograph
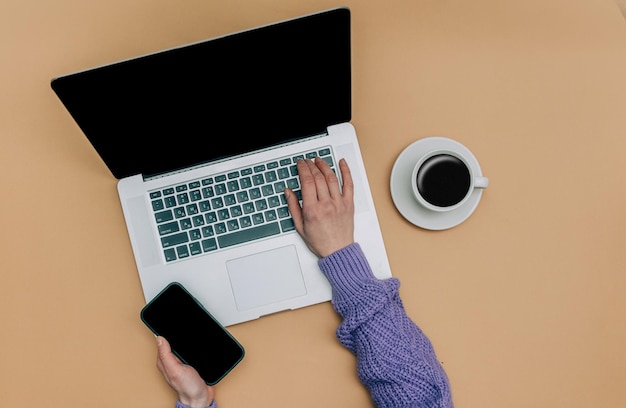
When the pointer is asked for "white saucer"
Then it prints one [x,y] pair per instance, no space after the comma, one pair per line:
[402,194]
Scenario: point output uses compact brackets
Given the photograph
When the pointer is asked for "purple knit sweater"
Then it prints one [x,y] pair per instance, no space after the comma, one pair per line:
[395,359]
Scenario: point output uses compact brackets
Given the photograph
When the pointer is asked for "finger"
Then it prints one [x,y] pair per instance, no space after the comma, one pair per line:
[348,183]
[321,186]
[166,360]
[332,182]
[294,208]
[307,182]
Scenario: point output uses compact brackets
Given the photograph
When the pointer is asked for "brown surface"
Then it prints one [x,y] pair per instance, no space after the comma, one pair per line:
[524,302]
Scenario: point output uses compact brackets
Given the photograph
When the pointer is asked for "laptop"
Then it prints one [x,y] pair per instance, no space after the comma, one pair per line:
[204,138]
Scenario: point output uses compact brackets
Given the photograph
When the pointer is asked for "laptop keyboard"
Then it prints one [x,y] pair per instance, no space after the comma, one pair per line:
[224,210]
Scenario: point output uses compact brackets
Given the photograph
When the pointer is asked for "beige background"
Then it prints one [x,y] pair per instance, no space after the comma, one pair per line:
[524,302]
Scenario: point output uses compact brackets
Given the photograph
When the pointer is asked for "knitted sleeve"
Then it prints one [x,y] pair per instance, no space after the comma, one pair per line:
[181,405]
[395,359]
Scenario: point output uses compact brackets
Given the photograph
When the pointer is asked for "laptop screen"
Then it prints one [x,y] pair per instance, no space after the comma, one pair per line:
[217,98]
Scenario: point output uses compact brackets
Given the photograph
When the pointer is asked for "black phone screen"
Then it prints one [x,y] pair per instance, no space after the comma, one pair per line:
[194,335]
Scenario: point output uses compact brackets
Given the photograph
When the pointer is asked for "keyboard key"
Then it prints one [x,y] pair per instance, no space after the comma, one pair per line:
[283,173]
[220,228]
[273,201]
[182,198]
[195,248]
[207,231]
[198,221]
[211,217]
[249,234]
[164,216]
[180,212]
[282,212]
[195,184]
[209,245]
[192,209]
[170,255]
[204,206]
[272,165]
[232,186]
[293,183]
[217,202]
[207,181]
[182,252]
[267,190]
[223,214]
[260,205]
[229,200]
[271,176]
[233,174]
[245,222]
[255,193]
[181,188]
[245,182]
[233,225]
[157,205]
[257,219]
[168,191]
[208,192]
[155,194]
[195,195]
[287,225]
[324,152]
[174,240]
[195,235]
[259,168]
[235,211]
[185,223]
[258,179]
[220,189]
[248,208]
[168,228]
[220,178]
[246,172]
[270,215]
[285,162]
[242,196]
[170,202]
[280,186]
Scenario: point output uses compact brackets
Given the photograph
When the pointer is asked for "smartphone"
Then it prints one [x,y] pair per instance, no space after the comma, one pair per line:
[195,336]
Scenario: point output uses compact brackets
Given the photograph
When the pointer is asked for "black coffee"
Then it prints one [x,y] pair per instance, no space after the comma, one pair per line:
[443,180]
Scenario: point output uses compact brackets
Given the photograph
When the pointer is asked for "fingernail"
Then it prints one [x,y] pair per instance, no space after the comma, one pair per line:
[159,341]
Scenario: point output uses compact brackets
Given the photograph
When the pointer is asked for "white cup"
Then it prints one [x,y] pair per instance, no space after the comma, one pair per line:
[443,180]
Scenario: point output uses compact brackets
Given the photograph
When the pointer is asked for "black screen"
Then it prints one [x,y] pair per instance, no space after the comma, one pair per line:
[193,334]
[193,104]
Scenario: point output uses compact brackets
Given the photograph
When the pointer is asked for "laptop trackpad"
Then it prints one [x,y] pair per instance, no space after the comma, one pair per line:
[266,277]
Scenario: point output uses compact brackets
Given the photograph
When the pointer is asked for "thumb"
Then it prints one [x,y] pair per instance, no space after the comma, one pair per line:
[165,351]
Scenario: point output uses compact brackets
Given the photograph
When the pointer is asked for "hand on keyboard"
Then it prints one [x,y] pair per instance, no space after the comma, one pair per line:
[326,219]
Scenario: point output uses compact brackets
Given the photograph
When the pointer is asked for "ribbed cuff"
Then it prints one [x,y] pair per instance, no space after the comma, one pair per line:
[181,405]
[346,269]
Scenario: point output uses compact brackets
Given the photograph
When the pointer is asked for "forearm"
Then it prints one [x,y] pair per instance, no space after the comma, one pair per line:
[396,361]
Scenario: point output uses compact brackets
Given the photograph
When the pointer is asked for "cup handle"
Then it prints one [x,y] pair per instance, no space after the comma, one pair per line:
[481,182]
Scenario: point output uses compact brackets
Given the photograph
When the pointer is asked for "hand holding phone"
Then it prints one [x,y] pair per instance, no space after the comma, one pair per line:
[193,334]
[184,379]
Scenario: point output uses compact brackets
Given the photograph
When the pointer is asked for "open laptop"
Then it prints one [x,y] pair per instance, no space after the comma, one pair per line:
[203,139]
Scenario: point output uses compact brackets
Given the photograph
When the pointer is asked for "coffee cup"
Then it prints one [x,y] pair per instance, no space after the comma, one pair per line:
[443,180]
